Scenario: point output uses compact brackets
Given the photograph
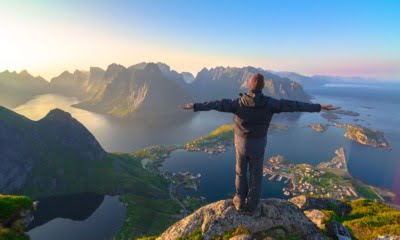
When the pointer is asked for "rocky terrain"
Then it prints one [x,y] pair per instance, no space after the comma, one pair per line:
[272,217]
[300,217]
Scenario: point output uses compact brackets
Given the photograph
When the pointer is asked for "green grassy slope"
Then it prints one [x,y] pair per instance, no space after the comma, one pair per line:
[11,227]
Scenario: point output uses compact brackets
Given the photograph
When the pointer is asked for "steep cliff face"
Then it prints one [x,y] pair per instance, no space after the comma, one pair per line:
[224,82]
[17,88]
[139,92]
[31,147]
[95,81]
[273,216]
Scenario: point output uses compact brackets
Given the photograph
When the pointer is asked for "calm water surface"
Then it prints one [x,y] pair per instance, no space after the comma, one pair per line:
[81,217]
[379,107]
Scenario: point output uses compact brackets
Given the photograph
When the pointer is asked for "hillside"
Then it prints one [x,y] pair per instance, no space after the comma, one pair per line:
[58,155]
[17,88]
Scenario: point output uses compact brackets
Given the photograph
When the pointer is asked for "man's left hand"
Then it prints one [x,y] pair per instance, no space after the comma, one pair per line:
[188,106]
[328,107]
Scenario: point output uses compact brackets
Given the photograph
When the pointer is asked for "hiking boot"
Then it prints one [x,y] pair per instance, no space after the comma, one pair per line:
[250,206]
[239,203]
[249,211]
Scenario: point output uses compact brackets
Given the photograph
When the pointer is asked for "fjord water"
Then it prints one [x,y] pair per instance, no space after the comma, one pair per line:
[378,105]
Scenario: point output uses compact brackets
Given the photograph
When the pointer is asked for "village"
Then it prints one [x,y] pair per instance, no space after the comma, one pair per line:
[304,179]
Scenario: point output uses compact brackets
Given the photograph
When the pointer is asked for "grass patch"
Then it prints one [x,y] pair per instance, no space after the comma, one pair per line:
[146,216]
[12,234]
[366,192]
[368,219]
[225,133]
[10,205]
[235,232]
[196,234]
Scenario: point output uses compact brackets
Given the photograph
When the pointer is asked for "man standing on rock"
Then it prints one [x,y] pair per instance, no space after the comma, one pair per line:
[252,116]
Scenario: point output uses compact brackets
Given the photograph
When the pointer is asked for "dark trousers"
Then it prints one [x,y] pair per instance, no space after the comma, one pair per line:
[249,157]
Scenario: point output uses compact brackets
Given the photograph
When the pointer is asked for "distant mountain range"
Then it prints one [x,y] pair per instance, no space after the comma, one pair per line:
[152,90]
[320,80]
[227,82]
[305,81]
[17,88]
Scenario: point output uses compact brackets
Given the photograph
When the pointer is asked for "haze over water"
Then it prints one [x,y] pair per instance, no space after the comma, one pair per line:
[377,104]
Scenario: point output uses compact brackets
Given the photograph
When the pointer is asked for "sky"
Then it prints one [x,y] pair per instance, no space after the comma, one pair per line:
[346,38]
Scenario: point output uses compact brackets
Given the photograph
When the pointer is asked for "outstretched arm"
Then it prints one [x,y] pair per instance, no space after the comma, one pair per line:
[224,105]
[283,105]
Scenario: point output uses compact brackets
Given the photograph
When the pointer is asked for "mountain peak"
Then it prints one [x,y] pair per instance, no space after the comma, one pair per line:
[219,218]
[25,73]
[58,115]
[152,67]
[115,66]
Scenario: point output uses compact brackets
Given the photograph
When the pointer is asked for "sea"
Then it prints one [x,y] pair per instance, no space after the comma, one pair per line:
[377,103]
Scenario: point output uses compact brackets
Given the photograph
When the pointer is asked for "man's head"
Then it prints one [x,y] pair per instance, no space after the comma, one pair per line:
[256,82]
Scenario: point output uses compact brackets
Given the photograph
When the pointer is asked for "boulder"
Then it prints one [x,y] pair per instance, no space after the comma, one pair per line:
[220,217]
[308,203]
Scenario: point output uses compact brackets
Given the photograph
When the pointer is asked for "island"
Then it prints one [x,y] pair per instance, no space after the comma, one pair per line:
[331,117]
[319,127]
[217,141]
[347,113]
[364,136]
[214,143]
[328,179]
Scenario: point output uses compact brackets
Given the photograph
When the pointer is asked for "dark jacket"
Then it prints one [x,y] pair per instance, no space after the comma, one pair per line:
[253,111]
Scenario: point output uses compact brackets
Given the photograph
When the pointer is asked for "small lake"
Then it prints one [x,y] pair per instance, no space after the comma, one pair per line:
[83,216]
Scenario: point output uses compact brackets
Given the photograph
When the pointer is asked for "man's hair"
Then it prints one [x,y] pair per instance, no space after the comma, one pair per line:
[256,82]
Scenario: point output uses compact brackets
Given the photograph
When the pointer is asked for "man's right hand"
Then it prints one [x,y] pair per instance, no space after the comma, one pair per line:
[188,106]
[328,107]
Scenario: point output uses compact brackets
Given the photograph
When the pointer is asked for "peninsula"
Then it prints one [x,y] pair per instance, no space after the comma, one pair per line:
[328,179]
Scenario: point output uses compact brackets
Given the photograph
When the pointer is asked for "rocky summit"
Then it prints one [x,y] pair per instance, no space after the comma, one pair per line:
[273,217]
